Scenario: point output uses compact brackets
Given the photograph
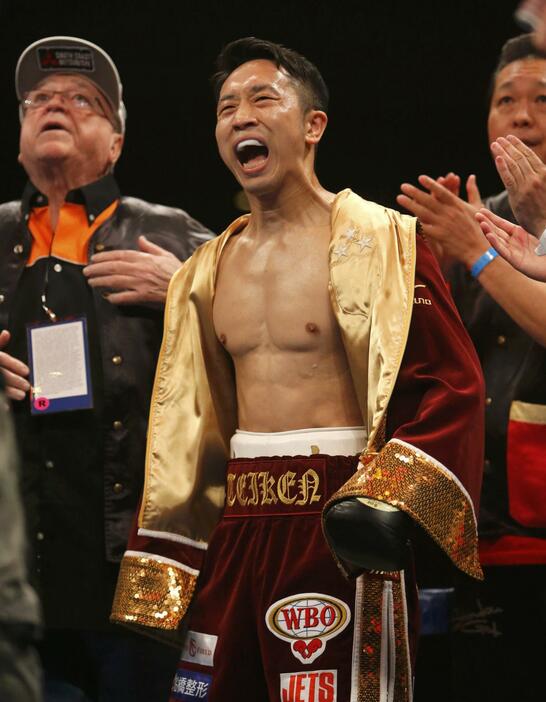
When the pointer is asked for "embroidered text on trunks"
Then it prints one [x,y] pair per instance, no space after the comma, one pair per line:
[262,488]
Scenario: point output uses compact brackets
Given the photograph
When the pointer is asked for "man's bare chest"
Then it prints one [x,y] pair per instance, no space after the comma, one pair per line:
[278,297]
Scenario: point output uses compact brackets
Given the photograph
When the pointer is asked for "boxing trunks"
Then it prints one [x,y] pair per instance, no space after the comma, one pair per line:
[273,616]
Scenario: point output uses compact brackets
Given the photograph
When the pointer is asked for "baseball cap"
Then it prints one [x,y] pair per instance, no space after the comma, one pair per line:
[70,55]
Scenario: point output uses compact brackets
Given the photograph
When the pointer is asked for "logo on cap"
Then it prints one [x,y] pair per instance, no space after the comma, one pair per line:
[55,58]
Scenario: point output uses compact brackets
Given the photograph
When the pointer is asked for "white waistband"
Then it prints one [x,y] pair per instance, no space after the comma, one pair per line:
[332,441]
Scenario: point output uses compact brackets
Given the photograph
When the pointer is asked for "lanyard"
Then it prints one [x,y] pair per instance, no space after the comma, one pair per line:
[49,312]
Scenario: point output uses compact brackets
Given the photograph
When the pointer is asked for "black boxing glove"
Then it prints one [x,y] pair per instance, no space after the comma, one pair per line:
[366,534]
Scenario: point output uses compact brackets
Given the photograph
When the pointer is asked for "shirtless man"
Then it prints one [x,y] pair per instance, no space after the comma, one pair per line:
[292,371]
[285,338]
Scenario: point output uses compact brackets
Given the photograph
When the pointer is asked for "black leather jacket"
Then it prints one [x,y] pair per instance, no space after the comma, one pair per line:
[130,334]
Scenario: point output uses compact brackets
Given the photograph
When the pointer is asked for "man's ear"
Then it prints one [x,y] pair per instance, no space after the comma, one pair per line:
[116,146]
[315,124]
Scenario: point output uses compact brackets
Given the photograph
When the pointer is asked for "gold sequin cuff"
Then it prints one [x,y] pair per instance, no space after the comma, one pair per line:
[152,592]
[409,479]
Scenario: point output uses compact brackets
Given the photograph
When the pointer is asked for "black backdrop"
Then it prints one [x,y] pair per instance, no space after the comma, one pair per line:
[407,83]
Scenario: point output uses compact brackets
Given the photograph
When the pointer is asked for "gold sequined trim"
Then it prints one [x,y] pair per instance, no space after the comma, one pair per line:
[403,676]
[152,593]
[373,637]
[370,655]
[408,479]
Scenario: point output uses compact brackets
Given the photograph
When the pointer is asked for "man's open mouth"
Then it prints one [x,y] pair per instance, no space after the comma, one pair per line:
[49,126]
[252,154]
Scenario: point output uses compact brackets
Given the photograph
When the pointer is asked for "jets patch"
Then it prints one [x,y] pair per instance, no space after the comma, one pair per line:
[310,686]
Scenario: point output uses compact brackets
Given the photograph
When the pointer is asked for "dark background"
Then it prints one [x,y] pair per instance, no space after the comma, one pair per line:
[407,82]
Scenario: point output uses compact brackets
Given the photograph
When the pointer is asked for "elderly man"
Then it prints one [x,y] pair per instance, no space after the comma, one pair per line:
[503,619]
[302,324]
[78,365]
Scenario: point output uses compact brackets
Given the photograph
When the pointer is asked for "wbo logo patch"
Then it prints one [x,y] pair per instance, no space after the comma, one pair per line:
[307,621]
[190,685]
[311,686]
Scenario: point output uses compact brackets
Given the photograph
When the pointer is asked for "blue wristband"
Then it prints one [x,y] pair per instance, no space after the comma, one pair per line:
[484,260]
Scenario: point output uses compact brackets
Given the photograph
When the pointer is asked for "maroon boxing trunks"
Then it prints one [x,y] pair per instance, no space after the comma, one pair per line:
[273,617]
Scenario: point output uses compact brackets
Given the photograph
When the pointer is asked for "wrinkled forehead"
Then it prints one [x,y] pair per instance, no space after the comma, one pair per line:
[70,81]
[525,71]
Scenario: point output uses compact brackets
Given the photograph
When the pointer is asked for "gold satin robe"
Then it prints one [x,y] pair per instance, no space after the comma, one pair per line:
[372,259]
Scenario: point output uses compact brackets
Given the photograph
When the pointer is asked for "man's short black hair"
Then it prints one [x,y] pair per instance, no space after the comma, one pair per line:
[515,49]
[311,86]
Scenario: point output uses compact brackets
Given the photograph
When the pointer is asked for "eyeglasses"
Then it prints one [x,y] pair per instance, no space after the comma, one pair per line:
[78,100]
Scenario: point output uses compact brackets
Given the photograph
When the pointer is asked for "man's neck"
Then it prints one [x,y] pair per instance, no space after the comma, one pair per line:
[301,206]
[55,184]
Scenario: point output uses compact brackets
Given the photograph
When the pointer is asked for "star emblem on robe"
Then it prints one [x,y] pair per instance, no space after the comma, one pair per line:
[351,234]
[341,250]
[364,242]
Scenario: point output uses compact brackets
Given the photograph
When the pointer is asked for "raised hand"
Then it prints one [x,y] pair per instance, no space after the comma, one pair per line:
[513,243]
[524,177]
[445,218]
